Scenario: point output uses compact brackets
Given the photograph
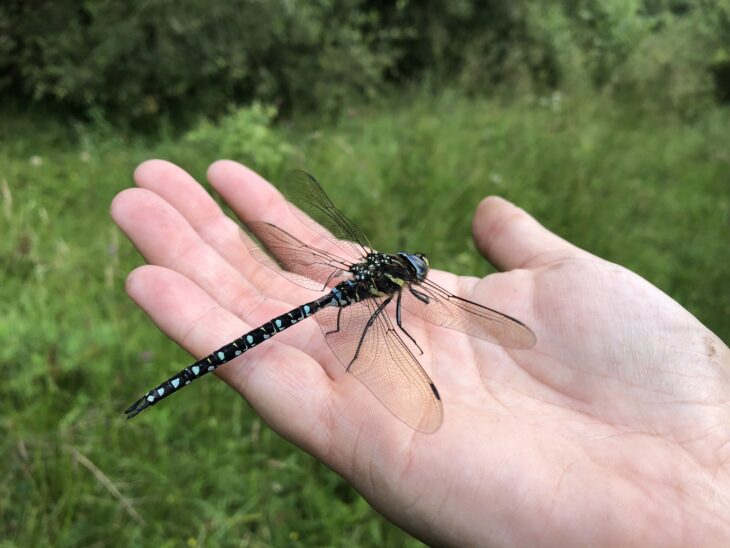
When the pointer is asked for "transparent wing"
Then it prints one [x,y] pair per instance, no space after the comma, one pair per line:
[300,263]
[384,364]
[448,310]
[312,206]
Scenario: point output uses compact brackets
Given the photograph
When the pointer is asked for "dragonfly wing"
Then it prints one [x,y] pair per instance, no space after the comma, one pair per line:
[447,310]
[383,364]
[300,263]
[312,206]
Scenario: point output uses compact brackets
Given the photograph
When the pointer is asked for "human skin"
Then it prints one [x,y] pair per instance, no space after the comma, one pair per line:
[614,429]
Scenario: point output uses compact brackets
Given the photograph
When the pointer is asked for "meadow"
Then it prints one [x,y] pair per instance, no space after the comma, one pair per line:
[644,187]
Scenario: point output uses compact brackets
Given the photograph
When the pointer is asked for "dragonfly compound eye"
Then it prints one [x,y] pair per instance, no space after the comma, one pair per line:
[419,263]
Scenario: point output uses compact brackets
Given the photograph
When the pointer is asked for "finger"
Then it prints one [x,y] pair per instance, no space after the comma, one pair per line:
[166,239]
[223,235]
[288,389]
[255,199]
[509,238]
[177,187]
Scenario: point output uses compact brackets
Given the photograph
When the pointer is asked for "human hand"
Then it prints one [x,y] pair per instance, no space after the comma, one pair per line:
[613,429]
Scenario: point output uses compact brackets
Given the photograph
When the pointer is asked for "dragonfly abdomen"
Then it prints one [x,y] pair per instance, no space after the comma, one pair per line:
[229,352]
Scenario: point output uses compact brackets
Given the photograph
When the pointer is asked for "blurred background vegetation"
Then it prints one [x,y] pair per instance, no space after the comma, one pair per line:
[607,120]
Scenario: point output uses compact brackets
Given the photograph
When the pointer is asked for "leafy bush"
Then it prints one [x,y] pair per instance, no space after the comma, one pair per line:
[245,134]
[143,59]
[656,52]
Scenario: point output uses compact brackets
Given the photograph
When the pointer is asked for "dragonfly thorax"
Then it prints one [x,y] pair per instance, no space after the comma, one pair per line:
[384,274]
[399,269]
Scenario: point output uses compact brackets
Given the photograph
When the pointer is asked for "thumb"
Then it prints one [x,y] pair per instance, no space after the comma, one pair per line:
[509,238]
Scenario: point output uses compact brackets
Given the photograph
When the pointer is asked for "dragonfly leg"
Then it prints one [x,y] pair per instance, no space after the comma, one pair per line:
[334,274]
[418,295]
[398,320]
[337,329]
[380,308]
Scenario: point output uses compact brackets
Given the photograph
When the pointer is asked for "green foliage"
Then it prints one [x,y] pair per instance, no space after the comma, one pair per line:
[158,57]
[137,63]
[647,51]
[640,187]
[245,134]
[666,56]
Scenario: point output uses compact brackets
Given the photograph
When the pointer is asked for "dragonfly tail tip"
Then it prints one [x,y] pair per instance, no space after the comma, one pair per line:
[136,408]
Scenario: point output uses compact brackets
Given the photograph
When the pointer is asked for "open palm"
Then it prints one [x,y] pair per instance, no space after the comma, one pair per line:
[612,429]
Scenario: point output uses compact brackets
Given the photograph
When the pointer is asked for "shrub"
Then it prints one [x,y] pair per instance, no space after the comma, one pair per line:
[139,60]
[245,134]
[159,58]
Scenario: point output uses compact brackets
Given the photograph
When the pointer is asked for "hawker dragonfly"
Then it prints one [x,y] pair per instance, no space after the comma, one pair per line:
[361,285]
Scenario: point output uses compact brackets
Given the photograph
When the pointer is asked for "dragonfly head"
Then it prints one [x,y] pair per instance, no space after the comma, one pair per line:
[418,263]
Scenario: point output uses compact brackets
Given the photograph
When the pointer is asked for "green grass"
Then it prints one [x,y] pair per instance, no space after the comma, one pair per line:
[644,189]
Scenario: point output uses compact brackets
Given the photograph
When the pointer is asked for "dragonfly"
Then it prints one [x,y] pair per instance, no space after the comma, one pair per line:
[360,286]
